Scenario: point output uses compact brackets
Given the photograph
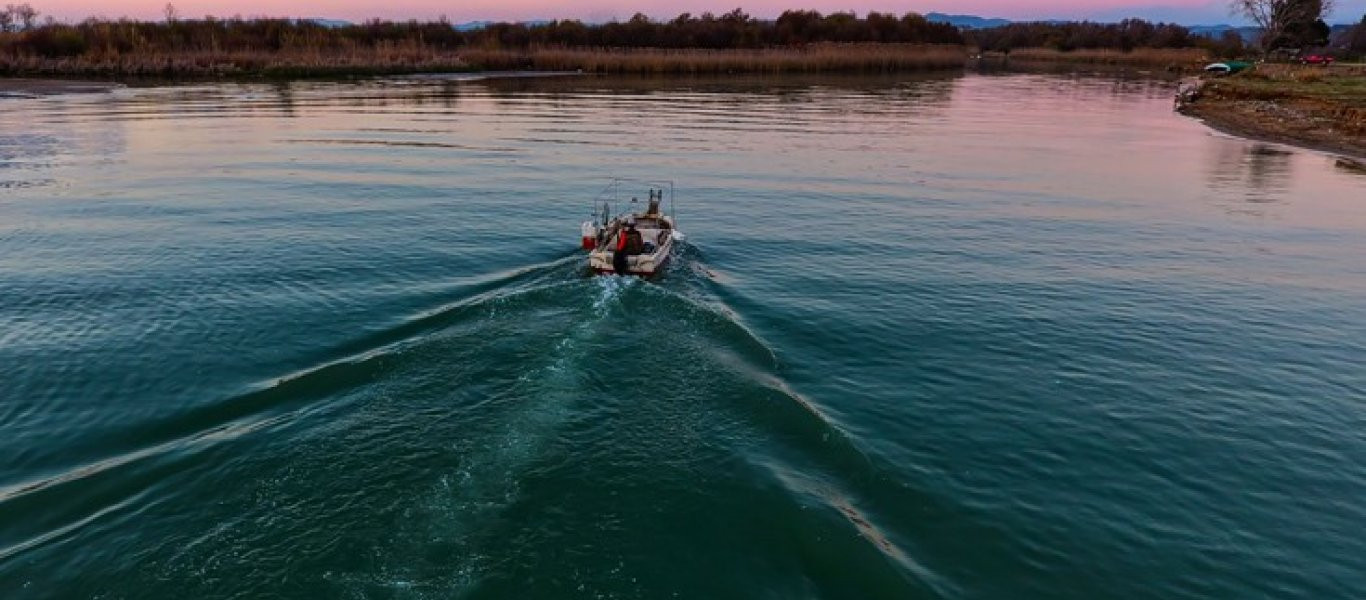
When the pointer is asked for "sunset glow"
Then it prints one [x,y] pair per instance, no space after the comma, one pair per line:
[1185,11]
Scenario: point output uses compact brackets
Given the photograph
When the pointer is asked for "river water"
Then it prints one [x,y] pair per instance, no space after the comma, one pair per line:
[972,336]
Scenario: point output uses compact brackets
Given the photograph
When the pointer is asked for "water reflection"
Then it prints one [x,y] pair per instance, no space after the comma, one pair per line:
[284,94]
[767,85]
[1245,175]
[1054,142]
[1267,168]
[1350,166]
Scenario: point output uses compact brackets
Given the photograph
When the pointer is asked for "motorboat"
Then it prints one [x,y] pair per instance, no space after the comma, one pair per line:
[635,239]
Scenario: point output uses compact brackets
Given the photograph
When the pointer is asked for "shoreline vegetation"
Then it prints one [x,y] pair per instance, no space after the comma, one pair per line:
[406,59]
[816,58]
[1171,59]
[799,41]
[1322,108]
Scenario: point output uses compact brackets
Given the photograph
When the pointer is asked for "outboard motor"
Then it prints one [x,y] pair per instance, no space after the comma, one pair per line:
[655,197]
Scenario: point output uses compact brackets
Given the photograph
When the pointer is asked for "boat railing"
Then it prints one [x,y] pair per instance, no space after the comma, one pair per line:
[612,197]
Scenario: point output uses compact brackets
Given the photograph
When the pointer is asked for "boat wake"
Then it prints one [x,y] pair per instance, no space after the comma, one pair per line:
[502,399]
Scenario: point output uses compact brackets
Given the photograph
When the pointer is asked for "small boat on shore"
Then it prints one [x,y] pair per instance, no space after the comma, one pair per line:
[632,241]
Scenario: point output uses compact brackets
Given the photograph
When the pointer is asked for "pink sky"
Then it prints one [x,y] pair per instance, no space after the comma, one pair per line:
[1187,11]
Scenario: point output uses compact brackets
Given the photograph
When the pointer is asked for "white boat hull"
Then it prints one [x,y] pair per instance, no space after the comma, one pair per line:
[644,264]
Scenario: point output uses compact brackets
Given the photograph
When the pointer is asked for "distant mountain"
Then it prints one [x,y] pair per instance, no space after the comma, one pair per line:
[966,21]
[472,25]
[1249,34]
[477,25]
[1341,35]
[329,23]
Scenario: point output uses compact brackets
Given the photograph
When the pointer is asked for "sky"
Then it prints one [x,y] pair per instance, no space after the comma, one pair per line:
[1190,12]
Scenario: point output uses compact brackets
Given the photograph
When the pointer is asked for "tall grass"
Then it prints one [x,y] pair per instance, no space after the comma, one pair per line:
[399,57]
[852,58]
[797,41]
[1146,57]
[1342,91]
[414,57]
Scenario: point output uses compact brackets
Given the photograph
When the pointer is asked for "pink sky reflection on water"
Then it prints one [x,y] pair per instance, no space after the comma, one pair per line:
[1187,11]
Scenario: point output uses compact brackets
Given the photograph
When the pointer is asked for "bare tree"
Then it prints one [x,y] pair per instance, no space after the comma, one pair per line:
[172,15]
[1274,17]
[7,19]
[25,15]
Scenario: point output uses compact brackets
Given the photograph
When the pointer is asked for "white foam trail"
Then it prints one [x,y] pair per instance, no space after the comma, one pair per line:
[609,289]
[488,481]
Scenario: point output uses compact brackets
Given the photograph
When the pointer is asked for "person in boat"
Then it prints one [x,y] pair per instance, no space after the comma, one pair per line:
[619,253]
[635,243]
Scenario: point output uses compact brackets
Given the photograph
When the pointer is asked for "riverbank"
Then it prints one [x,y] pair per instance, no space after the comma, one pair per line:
[1318,108]
[1176,59]
[815,58]
[384,60]
[411,59]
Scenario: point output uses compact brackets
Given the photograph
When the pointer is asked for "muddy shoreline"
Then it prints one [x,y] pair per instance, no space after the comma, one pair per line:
[1275,122]
[1311,107]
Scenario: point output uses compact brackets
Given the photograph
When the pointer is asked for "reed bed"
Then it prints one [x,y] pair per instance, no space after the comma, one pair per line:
[377,60]
[823,58]
[1141,57]
[415,58]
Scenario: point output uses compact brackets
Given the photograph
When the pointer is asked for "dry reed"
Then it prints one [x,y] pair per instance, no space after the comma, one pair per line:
[380,59]
[855,58]
[414,58]
[1149,57]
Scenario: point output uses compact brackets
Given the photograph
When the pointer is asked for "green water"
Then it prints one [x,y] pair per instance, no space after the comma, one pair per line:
[1018,336]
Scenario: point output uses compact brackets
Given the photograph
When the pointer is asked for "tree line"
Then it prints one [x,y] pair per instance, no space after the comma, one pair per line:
[1126,35]
[735,29]
[1286,22]
[1354,40]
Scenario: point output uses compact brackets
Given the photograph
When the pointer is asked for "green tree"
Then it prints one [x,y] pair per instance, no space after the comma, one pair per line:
[1356,40]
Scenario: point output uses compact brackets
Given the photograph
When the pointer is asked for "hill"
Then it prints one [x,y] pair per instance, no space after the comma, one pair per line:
[967,21]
